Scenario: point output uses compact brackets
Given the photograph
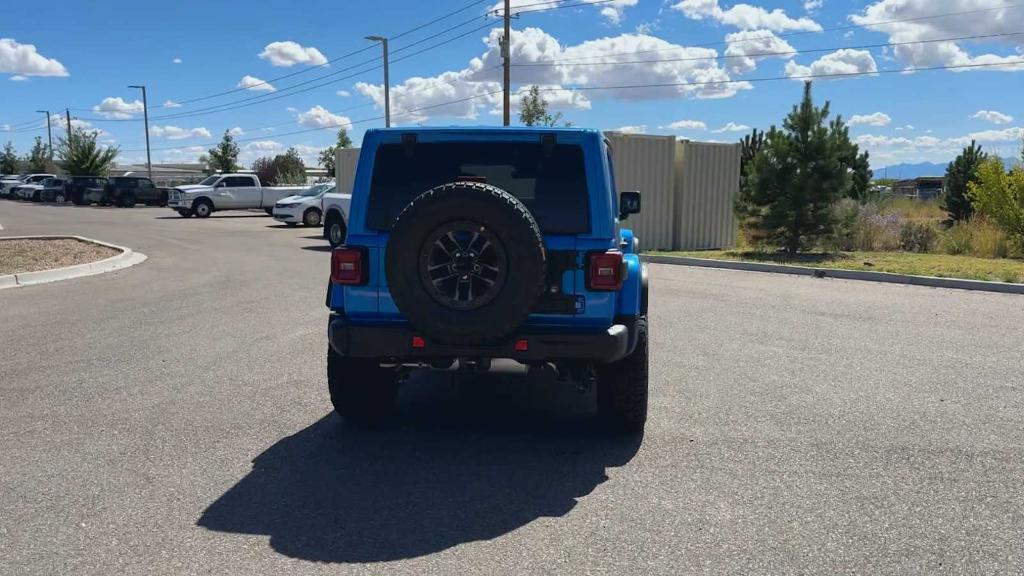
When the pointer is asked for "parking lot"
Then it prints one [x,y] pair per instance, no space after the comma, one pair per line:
[172,418]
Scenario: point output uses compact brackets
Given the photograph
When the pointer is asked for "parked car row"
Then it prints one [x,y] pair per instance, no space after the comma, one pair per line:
[124,191]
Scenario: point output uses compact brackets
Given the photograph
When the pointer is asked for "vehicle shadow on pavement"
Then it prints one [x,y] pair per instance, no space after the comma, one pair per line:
[457,468]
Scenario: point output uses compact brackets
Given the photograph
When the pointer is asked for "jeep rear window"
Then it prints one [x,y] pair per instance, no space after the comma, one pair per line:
[553,186]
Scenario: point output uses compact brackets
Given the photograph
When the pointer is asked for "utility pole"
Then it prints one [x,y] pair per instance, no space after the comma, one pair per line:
[145,116]
[506,56]
[387,82]
[67,114]
[49,131]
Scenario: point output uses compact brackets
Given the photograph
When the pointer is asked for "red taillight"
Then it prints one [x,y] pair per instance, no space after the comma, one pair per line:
[418,342]
[607,271]
[348,266]
[522,346]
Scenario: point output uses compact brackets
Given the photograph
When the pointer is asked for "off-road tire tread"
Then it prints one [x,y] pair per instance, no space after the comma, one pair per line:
[622,388]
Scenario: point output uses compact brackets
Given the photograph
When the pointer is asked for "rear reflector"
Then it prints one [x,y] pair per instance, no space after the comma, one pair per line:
[607,271]
[348,266]
[522,346]
[418,342]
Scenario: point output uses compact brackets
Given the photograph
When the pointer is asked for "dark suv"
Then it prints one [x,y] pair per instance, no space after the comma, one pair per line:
[127,191]
[54,190]
[84,190]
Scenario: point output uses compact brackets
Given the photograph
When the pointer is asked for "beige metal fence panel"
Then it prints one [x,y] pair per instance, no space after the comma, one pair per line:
[708,180]
[645,163]
[345,161]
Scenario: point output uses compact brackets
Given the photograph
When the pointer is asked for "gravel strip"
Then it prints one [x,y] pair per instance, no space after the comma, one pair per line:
[19,256]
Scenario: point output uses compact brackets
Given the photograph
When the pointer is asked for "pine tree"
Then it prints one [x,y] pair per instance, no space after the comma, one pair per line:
[750,146]
[224,157]
[79,155]
[796,178]
[959,174]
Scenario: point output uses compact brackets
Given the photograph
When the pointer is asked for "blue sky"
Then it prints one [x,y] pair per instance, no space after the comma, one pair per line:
[81,56]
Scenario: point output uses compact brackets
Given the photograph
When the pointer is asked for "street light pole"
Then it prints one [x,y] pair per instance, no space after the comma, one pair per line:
[387,83]
[145,116]
[49,131]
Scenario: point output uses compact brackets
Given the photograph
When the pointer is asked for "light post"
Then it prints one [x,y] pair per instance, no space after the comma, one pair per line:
[49,131]
[145,116]
[387,84]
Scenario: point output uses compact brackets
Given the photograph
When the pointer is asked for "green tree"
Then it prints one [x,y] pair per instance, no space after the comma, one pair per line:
[999,195]
[959,174]
[9,163]
[750,146]
[328,154]
[224,157]
[795,180]
[79,155]
[204,161]
[38,159]
[290,167]
[533,110]
[265,170]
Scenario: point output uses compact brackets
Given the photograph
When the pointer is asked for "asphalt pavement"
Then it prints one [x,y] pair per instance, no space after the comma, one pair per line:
[172,418]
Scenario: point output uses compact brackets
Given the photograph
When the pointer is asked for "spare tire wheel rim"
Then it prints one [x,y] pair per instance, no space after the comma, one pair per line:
[463,265]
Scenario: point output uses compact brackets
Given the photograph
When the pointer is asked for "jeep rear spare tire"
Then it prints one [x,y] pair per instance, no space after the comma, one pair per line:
[465,263]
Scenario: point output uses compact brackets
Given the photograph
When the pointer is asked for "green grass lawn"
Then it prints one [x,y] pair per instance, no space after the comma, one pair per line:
[941,265]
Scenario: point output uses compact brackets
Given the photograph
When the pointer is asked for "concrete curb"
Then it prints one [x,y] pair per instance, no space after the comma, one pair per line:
[125,259]
[931,281]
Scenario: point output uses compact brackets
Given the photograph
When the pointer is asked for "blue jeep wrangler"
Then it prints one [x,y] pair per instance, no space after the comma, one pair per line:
[471,244]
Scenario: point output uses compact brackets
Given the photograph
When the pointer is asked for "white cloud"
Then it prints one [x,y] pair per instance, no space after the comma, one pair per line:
[236,131]
[641,129]
[813,5]
[695,73]
[24,60]
[60,122]
[176,61]
[264,146]
[1004,135]
[19,78]
[744,16]
[992,116]
[290,53]
[255,84]
[909,21]
[343,93]
[320,117]
[686,125]
[171,104]
[876,119]
[176,133]
[612,10]
[118,108]
[744,46]
[732,127]
[888,150]
[843,61]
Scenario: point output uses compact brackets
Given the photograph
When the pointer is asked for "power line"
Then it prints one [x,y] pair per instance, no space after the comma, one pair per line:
[788,34]
[552,63]
[631,87]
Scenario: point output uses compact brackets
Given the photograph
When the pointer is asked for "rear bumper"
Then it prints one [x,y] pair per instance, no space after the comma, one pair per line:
[543,344]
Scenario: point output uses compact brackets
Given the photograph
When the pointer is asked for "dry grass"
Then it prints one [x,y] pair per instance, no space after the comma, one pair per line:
[912,209]
[940,265]
[33,255]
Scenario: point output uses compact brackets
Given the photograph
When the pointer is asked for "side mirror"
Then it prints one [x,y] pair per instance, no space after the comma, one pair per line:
[629,203]
[221,184]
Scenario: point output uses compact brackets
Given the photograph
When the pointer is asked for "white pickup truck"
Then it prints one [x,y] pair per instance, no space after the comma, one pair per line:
[334,205]
[227,192]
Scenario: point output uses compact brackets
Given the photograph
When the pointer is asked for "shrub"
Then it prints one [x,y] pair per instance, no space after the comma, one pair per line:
[1000,197]
[958,240]
[877,232]
[916,236]
[987,240]
[847,219]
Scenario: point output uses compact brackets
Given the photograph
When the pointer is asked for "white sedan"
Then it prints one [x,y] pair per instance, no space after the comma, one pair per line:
[303,208]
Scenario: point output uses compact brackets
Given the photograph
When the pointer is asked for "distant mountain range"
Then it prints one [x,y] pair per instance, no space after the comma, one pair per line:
[907,171]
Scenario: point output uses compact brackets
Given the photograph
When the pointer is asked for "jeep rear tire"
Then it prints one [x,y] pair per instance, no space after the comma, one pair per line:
[361,391]
[465,263]
[622,389]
